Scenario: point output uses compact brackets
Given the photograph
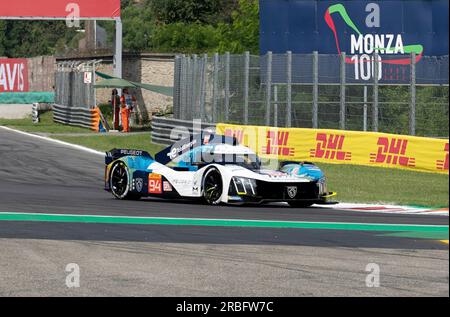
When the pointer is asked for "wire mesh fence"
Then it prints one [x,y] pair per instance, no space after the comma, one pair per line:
[314,91]
[74,84]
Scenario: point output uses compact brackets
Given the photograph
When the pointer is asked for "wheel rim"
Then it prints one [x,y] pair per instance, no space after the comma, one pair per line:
[213,187]
[119,181]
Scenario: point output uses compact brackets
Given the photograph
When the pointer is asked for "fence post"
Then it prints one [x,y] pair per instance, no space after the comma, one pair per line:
[343,110]
[203,86]
[375,93]
[246,85]
[365,109]
[268,87]
[215,86]
[315,110]
[184,100]
[192,87]
[227,86]
[176,86]
[412,115]
[275,106]
[289,90]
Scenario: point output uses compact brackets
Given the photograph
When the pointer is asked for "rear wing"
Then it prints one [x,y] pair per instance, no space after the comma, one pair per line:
[183,146]
[116,154]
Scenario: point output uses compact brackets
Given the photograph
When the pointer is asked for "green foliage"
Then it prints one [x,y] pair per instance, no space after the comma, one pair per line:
[2,38]
[190,11]
[188,38]
[179,26]
[243,33]
[33,38]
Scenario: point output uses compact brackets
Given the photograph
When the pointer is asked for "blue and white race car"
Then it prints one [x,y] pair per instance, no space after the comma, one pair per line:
[214,169]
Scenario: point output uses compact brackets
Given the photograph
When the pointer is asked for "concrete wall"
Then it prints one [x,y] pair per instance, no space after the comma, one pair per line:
[41,73]
[146,70]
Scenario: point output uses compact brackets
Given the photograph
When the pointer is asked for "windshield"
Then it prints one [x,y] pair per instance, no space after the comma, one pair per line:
[250,161]
[220,155]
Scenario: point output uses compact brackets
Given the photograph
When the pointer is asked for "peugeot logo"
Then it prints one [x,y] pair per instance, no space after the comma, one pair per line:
[292,191]
[139,184]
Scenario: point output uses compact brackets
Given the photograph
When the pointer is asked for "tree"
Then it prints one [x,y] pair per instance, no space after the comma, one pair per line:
[243,33]
[2,38]
[192,11]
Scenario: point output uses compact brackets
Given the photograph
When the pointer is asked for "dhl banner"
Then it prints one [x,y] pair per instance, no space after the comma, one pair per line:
[344,147]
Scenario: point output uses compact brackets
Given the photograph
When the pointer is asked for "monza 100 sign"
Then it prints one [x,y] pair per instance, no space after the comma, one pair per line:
[393,32]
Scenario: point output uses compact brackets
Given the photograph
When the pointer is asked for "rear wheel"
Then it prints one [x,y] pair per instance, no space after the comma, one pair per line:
[120,184]
[300,204]
[212,187]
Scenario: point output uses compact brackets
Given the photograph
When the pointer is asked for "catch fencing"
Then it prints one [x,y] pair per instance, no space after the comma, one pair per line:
[75,98]
[315,91]
[167,131]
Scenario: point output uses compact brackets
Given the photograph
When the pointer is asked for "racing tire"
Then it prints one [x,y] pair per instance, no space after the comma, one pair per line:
[120,184]
[300,204]
[212,186]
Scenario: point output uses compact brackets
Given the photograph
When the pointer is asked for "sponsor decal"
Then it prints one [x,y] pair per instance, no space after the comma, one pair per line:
[292,191]
[154,184]
[167,187]
[392,151]
[237,134]
[175,151]
[391,48]
[329,146]
[277,142]
[442,165]
[131,152]
[13,75]
[139,184]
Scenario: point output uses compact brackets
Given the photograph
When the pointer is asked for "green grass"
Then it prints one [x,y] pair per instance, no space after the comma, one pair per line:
[140,141]
[45,126]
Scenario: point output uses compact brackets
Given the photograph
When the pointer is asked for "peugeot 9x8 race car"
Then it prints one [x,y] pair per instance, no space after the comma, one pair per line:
[215,169]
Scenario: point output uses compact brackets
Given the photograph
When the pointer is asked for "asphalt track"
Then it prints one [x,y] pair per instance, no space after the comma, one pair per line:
[41,177]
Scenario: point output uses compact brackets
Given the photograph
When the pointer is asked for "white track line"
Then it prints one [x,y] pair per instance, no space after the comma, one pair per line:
[390,209]
[66,144]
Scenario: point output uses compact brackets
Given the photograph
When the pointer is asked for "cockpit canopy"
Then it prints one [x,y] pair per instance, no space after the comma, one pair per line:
[212,149]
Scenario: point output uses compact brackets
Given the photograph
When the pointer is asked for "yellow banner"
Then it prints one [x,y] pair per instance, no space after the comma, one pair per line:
[344,147]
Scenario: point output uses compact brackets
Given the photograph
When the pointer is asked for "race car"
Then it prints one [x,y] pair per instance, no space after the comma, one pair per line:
[214,169]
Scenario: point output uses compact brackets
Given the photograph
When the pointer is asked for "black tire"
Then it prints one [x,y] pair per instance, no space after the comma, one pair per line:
[212,186]
[119,183]
[300,204]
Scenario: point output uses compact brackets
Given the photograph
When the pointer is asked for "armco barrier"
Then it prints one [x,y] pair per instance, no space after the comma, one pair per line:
[81,117]
[167,131]
[344,147]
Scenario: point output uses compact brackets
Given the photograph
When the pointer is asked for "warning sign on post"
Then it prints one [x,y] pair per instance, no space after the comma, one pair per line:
[87,77]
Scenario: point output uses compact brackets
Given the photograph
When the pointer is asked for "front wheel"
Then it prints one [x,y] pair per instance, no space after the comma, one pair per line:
[212,187]
[300,204]
[120,184]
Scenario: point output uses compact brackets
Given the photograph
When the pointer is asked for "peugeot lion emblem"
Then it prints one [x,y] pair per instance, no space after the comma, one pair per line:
[139,184]
[292,191]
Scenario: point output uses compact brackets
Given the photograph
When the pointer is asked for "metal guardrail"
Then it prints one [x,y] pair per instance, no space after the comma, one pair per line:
[167,131]
[35,113]
[80,117]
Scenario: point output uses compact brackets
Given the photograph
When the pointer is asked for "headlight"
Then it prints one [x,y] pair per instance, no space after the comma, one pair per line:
[244,186]
[322,184]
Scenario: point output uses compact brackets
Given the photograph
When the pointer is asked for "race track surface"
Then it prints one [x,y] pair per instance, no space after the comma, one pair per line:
[41,177]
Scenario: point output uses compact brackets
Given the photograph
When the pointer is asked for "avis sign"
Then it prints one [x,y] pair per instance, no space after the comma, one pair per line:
[13,75]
